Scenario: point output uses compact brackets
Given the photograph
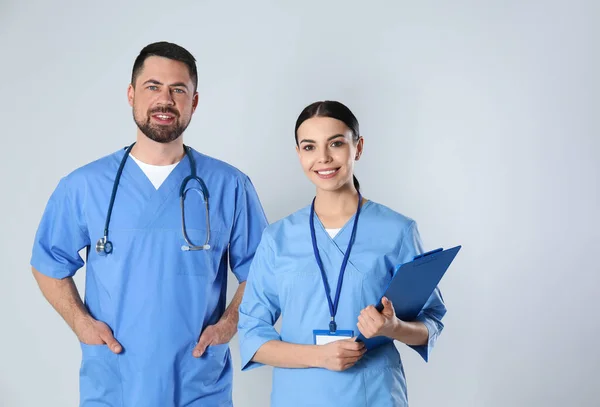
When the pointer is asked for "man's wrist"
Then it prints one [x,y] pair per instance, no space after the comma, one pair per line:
[80,321]
[229,325]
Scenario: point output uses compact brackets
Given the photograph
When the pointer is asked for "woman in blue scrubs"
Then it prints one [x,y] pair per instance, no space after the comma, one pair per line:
[320,269]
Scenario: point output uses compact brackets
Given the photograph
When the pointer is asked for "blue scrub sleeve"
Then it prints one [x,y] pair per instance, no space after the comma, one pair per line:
[259,309]
[434,309]
[61,234]
[431,315]
[248,224]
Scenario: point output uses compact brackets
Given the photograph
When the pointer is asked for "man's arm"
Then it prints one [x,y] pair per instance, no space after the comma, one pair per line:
[231,315]
[249,221]
[225,329]
[62,294]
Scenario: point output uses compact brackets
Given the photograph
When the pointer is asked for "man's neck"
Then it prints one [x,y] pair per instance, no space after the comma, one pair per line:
[154,153]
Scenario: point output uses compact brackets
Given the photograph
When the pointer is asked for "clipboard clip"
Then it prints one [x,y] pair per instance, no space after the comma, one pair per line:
[428,253]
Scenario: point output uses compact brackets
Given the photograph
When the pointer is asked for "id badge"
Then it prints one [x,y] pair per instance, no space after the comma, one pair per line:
[324,336]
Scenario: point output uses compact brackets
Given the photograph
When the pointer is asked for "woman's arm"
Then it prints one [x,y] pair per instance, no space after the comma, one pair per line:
[339,355]
[260,343]
[385,323]
[410,333]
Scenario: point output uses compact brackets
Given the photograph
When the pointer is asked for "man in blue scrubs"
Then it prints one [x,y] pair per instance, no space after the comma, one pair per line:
[154,328]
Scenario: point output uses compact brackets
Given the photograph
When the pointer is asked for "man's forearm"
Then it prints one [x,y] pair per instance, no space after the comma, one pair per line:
[231,315]
[62,294]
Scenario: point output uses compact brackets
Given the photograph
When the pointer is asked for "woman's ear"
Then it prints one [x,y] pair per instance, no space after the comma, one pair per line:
[359,148]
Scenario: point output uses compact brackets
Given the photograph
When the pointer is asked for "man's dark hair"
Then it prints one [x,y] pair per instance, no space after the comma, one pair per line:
[165,50]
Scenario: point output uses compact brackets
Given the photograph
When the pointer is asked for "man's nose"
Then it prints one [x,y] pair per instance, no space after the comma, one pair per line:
[166,97]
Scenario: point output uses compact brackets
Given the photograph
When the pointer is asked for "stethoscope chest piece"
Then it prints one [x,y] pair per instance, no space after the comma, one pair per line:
[103,246]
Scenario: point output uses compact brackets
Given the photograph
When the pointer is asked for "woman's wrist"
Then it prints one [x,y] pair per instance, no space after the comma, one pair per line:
[314,356]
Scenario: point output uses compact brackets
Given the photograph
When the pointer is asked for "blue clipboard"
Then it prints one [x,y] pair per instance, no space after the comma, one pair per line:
[412,285]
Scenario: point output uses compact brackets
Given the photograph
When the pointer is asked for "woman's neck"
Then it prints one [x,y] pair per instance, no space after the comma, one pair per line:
[335,208]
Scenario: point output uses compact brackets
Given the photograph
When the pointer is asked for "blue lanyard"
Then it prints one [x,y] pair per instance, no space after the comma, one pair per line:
[333,306]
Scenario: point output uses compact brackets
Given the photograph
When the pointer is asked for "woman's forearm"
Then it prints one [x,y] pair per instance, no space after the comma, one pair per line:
[411,333]
[288,355]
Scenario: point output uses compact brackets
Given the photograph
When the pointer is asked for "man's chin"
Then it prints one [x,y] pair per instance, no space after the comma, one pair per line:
[163,139]
[162,134]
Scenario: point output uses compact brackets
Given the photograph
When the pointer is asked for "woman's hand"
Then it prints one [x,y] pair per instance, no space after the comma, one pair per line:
[372,323]
[340,355]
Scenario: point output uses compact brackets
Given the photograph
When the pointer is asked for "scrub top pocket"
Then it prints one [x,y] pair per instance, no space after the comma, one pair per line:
[201,262]
[96,351]
[100,378]
[207,369]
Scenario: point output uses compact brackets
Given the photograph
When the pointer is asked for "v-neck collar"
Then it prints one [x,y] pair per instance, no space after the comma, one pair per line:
[142,180]
[344,230]
[156,198]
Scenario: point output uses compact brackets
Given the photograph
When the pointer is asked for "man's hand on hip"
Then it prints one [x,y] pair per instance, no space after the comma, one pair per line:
[93,332]
[217,334]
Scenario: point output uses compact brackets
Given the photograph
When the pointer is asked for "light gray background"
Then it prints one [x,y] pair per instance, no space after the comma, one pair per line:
[480,118]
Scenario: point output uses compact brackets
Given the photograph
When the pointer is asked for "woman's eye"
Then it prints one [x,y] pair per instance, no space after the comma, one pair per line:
[308,148]
[336,144]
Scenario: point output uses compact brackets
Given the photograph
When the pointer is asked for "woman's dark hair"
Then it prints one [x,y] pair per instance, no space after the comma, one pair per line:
[335,110]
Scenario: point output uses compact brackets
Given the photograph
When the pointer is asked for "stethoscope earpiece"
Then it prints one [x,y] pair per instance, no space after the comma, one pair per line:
[187,248]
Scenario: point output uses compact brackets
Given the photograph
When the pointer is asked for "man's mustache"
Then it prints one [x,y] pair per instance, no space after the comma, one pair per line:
[170,110]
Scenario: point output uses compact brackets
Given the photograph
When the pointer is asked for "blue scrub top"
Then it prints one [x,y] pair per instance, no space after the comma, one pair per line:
[285,281]
[155,297]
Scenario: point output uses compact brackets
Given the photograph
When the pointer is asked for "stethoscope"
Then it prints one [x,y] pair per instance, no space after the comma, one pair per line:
[105,246]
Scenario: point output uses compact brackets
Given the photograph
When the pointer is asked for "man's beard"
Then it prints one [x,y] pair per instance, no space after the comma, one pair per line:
[158,133]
